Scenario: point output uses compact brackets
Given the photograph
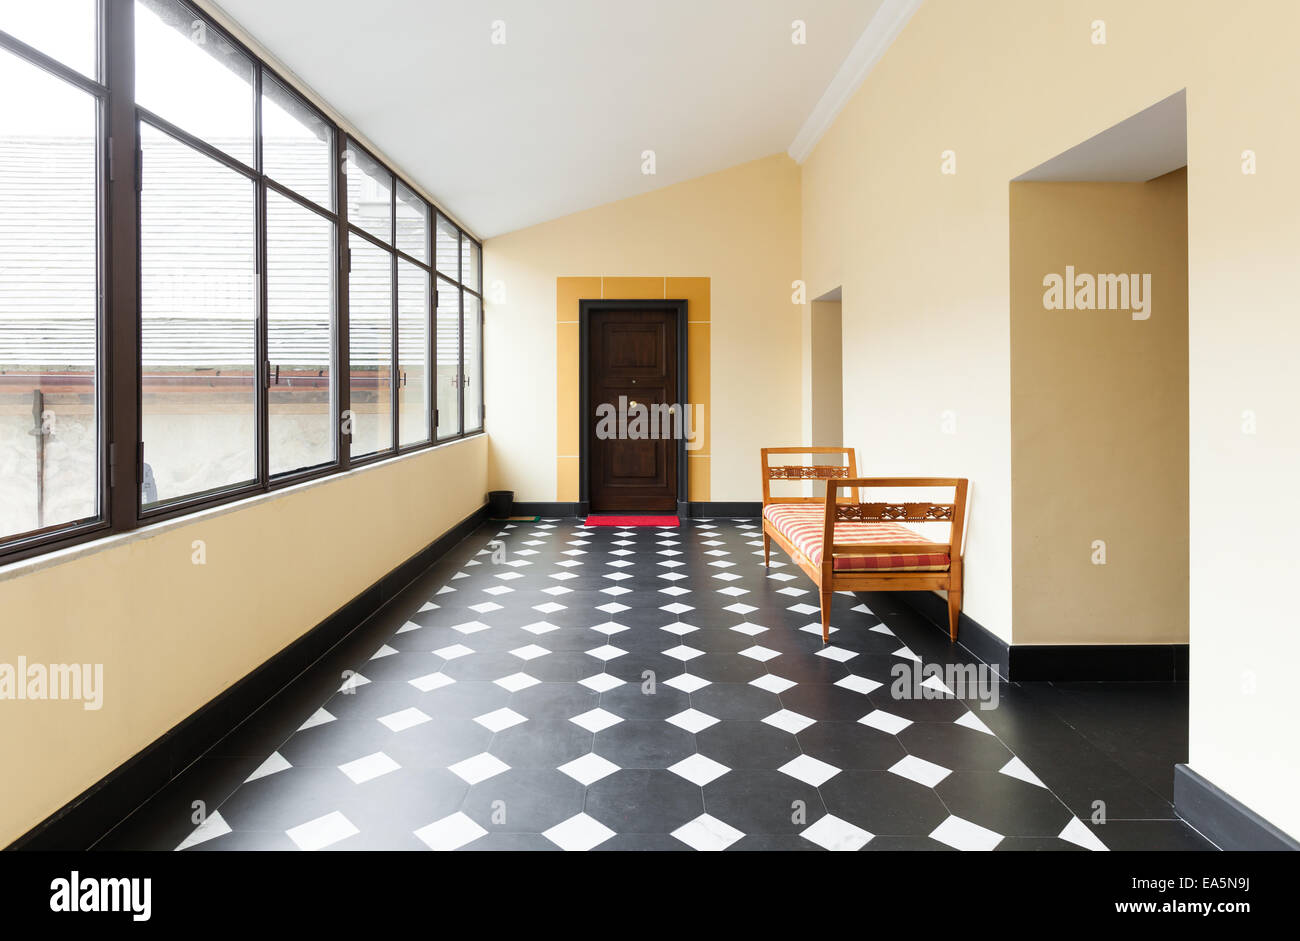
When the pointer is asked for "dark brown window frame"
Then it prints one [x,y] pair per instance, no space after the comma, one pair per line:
[118,368]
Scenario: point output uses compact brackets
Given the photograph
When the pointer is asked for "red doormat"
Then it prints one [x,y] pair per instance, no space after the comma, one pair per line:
[632,521]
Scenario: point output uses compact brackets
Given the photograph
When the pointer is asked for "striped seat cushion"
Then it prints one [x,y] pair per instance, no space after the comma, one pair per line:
[802,524]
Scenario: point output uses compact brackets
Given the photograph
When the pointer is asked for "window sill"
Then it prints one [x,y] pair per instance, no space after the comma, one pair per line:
[28,566]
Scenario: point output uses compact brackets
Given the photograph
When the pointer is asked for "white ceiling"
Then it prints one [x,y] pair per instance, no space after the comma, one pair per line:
[1146,145]
[555,120]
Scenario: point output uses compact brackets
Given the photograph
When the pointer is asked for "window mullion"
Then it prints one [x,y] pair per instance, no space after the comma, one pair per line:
[432,338]
[460,364]
[122,240]
[343,368]
[394,377]
[262,361]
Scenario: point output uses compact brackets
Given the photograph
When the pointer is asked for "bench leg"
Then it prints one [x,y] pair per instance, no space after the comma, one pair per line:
[767,549]
[954,612]
[827,595]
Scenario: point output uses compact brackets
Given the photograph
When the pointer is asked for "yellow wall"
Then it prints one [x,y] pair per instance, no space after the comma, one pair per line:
[569,292]
[1099,417]
[737,231]
[172,635]
[923,258]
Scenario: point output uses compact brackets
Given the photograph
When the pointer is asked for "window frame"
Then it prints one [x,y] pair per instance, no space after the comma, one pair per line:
[62,535]
[119,188]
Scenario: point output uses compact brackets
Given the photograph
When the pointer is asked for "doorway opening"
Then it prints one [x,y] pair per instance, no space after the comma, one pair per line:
[1099,389]
[826,370]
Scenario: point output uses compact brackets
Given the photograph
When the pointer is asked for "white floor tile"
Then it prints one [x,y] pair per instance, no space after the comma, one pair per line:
[579,832]
[478,768]
[683,652]
[838,654]
[972,721]
[832,833]
[322,832]
[789,721]
[516,681]
[596,720]
[859,684]
[431,681]
[885,721]
[450,833]
[319,717]
[601,682]
[589,768]
[687,682]
[499,719]
[404,719]
[1015,768]
[773,683]
[211,828]
[530,652]
[920,770]
[1077,832]
[707,833]
[692,720]
[809,770]
[453,652]
[368,768]
[699,769]
[963,835]
[273,765]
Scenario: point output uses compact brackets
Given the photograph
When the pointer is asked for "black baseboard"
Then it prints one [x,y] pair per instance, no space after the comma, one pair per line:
[547,509]
[78,824]
[1059,662]
[979,641]
[1163,662]
[1221,818]
[734,509]
[693,510]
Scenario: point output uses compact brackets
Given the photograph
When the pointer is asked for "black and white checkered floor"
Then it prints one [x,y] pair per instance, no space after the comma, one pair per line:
[615,688]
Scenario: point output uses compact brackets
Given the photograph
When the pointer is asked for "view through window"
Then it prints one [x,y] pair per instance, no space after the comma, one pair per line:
[269,243]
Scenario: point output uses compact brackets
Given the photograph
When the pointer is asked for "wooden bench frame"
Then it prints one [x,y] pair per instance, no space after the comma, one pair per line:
[849,508]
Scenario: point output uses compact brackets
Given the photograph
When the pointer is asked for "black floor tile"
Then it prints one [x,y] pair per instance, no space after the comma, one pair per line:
[635,800]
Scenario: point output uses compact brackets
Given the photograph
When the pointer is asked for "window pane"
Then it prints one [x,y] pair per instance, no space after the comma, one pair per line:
[62,29]
[189,74]
[370,347]
[473,379]
[198,322]
[413,352]
[412,224]
[448,359]
[469,263]
[448,249]
[370,194]
[297,144]
[299,333]
[48,422]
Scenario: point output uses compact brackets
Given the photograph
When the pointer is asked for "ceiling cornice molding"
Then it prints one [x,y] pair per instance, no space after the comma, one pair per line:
[862,58]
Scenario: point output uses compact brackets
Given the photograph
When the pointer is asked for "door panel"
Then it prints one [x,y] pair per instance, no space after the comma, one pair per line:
[632,359]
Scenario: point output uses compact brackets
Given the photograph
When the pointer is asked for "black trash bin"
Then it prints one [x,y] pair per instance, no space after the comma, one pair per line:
[499,503]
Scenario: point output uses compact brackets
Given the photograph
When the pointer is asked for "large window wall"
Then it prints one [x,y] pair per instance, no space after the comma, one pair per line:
[207,289]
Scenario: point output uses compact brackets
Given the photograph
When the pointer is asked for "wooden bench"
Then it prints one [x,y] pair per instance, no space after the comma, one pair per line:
[870,547]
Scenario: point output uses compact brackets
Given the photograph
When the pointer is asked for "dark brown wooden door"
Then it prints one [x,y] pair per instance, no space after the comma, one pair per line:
[631,354]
